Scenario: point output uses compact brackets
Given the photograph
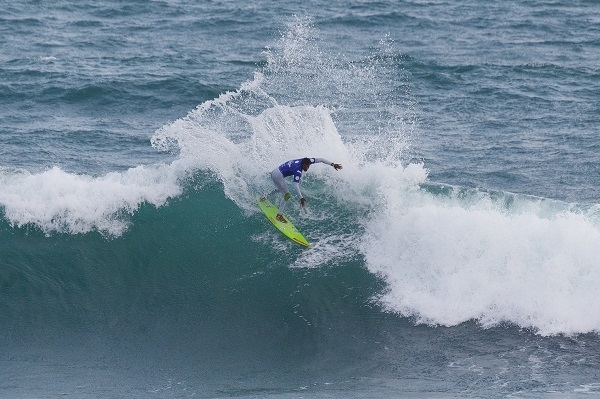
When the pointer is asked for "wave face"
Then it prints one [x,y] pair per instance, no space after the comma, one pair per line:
[170,266]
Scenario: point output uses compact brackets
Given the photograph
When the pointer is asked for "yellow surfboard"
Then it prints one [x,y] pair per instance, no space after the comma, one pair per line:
[288,229]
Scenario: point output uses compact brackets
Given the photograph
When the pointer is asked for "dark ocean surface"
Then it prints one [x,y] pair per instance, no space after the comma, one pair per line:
[456,255]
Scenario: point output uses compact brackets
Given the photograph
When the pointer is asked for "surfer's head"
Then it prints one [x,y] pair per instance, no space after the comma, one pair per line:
[306,164]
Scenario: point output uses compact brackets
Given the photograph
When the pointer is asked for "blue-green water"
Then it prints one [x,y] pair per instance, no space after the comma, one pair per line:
[455,255]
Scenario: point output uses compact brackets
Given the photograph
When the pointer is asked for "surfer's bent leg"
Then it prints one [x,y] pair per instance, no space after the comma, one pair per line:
[279,181]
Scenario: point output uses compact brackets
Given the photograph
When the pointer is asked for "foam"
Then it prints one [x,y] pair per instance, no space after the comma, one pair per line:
[447,261]
[57,201]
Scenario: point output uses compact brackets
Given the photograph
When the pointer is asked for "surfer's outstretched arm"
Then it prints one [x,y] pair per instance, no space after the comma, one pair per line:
[336,166]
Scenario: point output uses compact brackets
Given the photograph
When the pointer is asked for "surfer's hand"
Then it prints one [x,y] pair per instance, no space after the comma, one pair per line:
[302,201]
[337,166]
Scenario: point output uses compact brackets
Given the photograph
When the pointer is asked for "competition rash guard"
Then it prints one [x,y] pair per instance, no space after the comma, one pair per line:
[294,168]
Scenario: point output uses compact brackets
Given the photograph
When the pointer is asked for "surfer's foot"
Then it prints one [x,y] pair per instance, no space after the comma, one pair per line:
[262,198]
[281,218]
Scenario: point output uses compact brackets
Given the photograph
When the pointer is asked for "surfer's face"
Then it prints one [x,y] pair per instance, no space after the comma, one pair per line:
[305,166]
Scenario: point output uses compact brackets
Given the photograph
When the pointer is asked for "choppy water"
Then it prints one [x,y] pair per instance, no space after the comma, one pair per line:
[455,255]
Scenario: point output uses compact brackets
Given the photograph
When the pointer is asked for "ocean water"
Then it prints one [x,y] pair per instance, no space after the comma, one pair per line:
[456,255]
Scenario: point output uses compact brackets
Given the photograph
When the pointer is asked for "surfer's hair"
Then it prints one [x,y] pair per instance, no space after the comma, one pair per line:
[306,161]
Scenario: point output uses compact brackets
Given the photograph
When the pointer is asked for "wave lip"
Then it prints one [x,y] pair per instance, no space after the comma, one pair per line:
[57,201]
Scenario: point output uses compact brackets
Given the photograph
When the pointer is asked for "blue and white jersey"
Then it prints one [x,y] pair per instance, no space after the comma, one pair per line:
[293,168]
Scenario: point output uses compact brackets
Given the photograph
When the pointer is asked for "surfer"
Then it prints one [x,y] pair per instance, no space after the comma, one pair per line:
[294,168]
